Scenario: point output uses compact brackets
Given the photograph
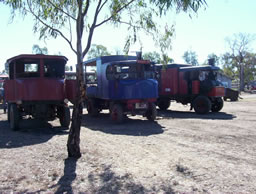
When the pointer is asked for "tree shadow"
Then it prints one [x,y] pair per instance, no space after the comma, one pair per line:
[65,182]
[31,132]
[108,182]
[131,126]
[193,115]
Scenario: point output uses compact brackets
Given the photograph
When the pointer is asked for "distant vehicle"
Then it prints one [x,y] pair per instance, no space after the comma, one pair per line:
[36,88]
[3,77]
[194,85]
[122,84]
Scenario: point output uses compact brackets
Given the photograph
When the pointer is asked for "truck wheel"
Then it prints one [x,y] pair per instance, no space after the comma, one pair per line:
[217,105]
[65,117]
[163,104]
[14,117]
[117,113]
[202,105]
[92,110]
[151,112]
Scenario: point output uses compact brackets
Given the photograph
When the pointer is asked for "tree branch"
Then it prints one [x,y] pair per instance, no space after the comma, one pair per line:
[48,26]
[120,9]
[86,8]
[89,40]
[70,16]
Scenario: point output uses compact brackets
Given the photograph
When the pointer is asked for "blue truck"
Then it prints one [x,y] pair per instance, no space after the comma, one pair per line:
[123,84]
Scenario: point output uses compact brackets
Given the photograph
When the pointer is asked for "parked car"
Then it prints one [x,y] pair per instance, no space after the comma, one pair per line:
[36,88]
[194,85]
[122,84]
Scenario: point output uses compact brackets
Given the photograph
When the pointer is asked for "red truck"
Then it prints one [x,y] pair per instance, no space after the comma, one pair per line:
[194,85]
[36,88]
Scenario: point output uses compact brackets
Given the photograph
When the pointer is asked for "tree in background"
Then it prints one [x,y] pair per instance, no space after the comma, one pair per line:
[190,57]
[36,49]
[152,56]
[80,19]
[97,50]
[239,60]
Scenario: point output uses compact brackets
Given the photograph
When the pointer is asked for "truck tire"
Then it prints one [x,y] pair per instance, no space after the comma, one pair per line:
[65,117]
[163,103]
[117,113]
[202,105]
[92,110]
[151,112]
[14,117]
[217,105]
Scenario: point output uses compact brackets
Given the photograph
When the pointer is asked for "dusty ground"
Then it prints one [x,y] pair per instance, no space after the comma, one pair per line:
[180,153]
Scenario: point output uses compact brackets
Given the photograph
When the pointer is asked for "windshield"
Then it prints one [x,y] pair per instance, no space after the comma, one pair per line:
[130,71]
[54,68]
[207,75]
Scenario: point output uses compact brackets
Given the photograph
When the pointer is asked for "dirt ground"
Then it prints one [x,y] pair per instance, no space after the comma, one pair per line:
[179,153]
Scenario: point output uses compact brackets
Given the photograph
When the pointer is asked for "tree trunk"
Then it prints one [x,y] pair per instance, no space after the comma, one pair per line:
[73,144]
[242,78]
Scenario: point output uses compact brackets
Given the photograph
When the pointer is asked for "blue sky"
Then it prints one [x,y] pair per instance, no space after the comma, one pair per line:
[204,33]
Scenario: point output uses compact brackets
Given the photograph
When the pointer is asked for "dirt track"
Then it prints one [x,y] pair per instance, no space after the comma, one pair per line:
[180,153]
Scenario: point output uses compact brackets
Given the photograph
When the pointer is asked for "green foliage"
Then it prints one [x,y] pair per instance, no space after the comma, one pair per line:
[180,5]
[97,51]
[239,62]
[152,56]
[190,57]
[38,50]
[232,69]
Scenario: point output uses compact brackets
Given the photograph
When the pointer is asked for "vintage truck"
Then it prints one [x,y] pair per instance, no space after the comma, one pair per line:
[36,88]
[194,85]
[122,84]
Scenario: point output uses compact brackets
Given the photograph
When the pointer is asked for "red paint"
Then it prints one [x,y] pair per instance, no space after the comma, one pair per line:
[195,87]
[218,91]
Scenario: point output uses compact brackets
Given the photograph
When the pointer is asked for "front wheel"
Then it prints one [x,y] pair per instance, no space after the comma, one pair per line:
[14,117]
[217,105]
[65,117]
[117,113]
[151,112]
[202,105]
[163,103]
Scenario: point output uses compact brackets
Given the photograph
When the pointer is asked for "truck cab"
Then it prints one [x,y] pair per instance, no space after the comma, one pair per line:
[122,84]
[36,88]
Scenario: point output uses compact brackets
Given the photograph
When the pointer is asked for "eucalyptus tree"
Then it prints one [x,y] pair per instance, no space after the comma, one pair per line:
[36,49]
[76,21]
[236,60]
[190,57]
[97,50]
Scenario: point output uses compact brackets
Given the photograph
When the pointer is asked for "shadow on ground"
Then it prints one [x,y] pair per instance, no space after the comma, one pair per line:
[193,115]
[102,180]
[30,132]
[65,183]
[132,126]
